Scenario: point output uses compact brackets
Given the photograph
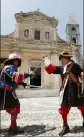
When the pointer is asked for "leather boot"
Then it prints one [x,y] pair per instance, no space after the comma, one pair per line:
[15,130]
[65,130]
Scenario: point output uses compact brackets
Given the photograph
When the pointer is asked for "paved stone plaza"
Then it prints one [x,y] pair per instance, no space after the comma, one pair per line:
[40,118]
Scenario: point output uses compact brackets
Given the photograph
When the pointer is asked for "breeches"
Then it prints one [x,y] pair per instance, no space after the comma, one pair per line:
[65,110]
[13,110]
[9,102]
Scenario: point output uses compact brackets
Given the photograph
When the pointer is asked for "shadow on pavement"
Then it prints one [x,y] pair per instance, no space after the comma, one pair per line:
[31,131]
[37,129]
[77,129]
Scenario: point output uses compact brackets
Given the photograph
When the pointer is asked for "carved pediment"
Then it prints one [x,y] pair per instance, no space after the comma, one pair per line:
[36,15]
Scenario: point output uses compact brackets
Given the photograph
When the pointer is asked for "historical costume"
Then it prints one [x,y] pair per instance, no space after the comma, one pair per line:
[9,80]
[70,90]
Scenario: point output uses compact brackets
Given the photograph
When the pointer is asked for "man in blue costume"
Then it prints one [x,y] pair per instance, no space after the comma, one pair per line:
[9,80]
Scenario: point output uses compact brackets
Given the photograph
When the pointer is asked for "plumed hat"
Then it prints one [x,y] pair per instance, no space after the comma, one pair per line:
[11,58]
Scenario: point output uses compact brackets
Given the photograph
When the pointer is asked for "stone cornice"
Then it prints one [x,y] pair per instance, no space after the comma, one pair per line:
[11,40]
[17,44]
[60,41]
[42,47]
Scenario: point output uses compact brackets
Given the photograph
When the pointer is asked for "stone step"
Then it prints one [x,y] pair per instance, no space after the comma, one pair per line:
[37,92]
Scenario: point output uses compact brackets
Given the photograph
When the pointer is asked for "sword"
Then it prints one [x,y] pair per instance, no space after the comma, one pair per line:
[39,65]
[62,91]
[36,69]
[33,86]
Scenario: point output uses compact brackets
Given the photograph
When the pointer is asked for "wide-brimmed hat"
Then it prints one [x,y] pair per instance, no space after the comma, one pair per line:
[13,57]
[65,55]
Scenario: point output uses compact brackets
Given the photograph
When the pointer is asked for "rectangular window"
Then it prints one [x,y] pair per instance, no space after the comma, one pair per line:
[37,35]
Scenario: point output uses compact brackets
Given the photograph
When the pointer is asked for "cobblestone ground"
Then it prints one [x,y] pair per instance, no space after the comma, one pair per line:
[40,118]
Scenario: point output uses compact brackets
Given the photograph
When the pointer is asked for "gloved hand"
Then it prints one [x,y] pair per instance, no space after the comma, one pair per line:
[26,75]
[46,61]
[32,74]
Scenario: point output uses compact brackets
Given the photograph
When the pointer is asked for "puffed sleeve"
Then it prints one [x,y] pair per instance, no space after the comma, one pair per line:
[10,70]
[52,69]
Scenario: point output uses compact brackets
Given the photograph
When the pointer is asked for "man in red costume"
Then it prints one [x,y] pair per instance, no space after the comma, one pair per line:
[9,80]
[69,91]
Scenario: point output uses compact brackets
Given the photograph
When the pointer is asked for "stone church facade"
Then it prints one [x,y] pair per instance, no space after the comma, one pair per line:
[36,35]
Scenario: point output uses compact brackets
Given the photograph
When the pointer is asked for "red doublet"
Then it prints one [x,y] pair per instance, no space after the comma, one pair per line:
[50,69]
[18,77]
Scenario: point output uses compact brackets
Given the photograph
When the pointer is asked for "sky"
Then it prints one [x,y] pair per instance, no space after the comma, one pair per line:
[60,9]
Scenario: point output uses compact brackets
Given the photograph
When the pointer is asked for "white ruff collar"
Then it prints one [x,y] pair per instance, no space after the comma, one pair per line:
[65,67]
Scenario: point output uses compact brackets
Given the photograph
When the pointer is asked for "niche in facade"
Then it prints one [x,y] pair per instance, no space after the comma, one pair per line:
[26,33]
[47,35]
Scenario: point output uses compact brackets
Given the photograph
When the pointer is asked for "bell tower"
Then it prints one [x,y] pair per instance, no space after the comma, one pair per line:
[72,31]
